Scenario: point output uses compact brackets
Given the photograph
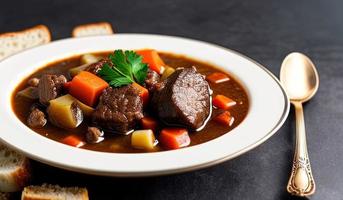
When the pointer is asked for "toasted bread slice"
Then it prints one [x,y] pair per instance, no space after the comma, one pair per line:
[14,42]
[102,28]
[54,192]
[14,170]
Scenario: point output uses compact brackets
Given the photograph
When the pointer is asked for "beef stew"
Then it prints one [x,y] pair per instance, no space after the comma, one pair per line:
[179,102]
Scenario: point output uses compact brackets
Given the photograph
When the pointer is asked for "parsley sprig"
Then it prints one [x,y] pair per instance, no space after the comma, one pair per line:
[127,68]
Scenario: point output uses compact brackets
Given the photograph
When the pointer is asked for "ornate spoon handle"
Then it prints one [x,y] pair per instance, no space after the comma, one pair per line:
[301,182]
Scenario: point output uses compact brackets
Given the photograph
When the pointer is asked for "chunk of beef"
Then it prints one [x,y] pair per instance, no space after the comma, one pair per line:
[95,67]
[151,79]
[36,118]
[183,99]
[94,135]
[50,87]
[119,109]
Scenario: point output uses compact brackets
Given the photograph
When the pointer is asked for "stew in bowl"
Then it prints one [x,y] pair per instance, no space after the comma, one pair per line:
[130,101]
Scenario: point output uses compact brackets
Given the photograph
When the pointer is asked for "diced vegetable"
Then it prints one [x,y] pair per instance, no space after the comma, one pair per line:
[217,77]
[143,139]
[167,72]
[149,123]
[90,58]
[174,138]
[86,60]
[225,118]
[73,140]
[223,102]
[86,110]
[64,112]
[87,87]
[29,93]
[76,70]
[153,60]
[143,93]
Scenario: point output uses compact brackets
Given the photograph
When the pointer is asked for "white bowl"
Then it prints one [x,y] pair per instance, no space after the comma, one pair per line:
[269,107]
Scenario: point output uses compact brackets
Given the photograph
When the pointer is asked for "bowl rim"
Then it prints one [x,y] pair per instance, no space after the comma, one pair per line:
[277,125]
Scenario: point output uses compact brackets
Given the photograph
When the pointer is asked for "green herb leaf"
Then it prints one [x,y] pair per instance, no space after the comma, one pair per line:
[127,68]
[120,63]
[107,73]
[119,82]
[139,69]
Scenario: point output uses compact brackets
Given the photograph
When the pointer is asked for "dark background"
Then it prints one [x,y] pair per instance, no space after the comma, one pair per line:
[264,30]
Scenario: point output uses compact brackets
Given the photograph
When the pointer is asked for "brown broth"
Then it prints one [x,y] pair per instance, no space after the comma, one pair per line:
[121,143]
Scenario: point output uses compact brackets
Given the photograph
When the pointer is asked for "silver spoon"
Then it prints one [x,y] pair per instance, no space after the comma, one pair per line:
[300,79]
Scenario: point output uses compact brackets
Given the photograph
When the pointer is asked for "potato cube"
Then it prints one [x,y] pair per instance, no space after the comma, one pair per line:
[76,70]
[143,139]
[64,112]
[87,110]
[90,58]
[167,72]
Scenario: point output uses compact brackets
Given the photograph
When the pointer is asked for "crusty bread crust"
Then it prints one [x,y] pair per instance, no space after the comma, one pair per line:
[11,43]
[14,170]
[23,175]
[54,192]
[41,27]
[101,28]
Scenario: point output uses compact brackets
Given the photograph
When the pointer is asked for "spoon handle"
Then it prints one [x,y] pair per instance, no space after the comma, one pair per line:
[301,182]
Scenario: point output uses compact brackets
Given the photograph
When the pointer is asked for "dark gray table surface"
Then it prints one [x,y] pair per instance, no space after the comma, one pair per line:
[265,31]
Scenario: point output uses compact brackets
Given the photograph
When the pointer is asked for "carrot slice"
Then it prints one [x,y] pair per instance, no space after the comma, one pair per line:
[73,140]
[223,102]
[217,77]
[143,93]
[149,123]
[153,60]
[225,118]
[174,138]
[87,87]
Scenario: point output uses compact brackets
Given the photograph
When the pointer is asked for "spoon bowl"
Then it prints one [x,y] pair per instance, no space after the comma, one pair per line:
[299,77]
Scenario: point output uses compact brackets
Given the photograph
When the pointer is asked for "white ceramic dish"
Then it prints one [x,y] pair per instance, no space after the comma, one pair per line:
[269,108]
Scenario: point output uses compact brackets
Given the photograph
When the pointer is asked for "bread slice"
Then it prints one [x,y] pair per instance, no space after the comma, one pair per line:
[14,42]
[54,192]
[14,170]
[102,28]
